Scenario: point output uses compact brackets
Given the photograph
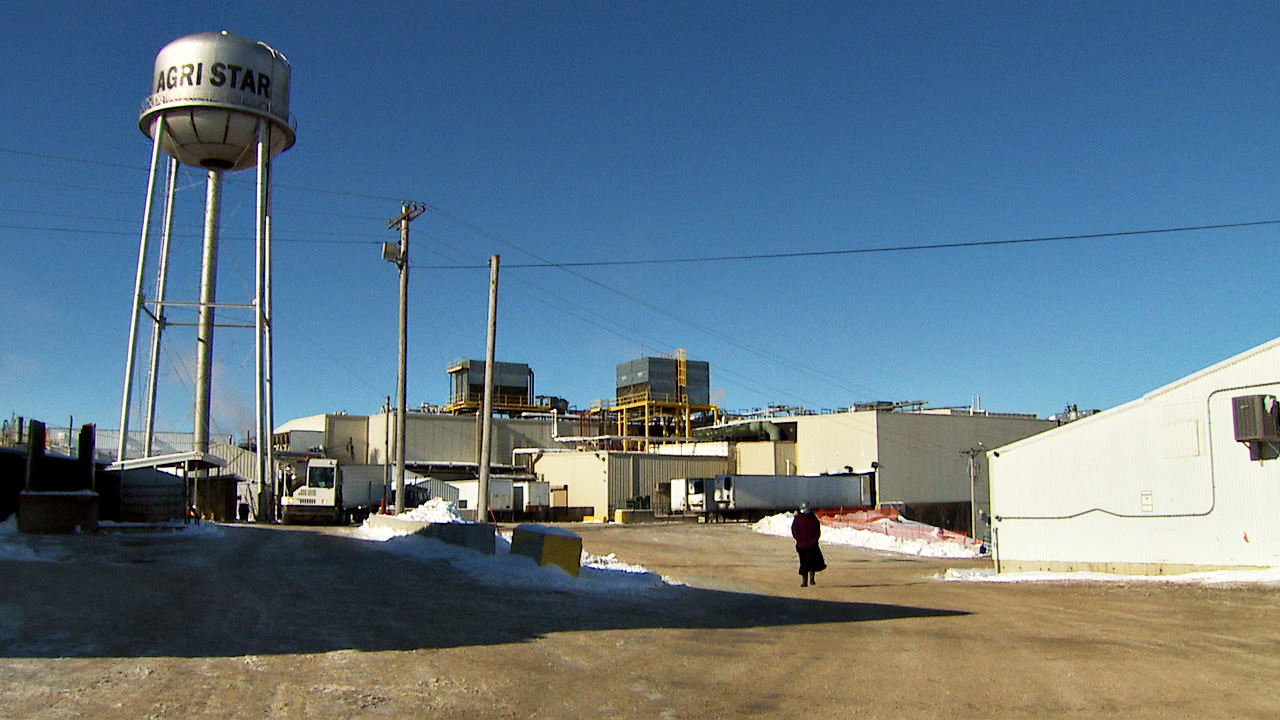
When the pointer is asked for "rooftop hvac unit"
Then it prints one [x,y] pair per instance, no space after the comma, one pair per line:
[1256,418]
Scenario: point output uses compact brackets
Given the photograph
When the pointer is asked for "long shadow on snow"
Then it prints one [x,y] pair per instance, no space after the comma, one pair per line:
[270,591]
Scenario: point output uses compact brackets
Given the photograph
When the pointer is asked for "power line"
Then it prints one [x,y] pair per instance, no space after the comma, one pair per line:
[863,251]
[193,235]
[568,267]
[65,158]
[545,263]
[612,326]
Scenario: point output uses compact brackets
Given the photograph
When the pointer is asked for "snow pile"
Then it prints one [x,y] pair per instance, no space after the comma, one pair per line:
[598,575]
[922,546]
[435,510]
[13,545]
[1267,576]
[206,529]
[610,562]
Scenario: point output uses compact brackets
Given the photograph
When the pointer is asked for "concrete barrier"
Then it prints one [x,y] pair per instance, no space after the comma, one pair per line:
[628,517]
[58,512]
[473,536]
[548,546]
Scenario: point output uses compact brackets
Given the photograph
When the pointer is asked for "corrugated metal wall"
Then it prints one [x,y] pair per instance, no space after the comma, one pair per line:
[1158,484]
[240,462]
[454,439]
[634,477]
[920,454]
[148,495]
[607,481]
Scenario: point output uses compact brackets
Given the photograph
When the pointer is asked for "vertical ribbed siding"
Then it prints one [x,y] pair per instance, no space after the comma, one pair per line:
[637,475]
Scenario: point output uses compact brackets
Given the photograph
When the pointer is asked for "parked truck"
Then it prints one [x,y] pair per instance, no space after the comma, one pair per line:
[333,493]
[755,496]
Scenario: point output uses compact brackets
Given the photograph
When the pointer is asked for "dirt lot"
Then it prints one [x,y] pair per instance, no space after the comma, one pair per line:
[308,623]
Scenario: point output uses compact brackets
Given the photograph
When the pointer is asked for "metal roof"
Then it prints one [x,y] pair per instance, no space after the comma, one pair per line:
[191,460]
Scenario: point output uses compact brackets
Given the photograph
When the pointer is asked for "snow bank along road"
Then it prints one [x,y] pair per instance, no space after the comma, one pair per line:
[253,622]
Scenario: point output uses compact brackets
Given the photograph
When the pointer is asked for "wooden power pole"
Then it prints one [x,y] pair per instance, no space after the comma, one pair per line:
[400,256]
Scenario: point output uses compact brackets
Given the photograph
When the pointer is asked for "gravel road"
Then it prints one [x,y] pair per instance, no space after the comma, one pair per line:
[274,622]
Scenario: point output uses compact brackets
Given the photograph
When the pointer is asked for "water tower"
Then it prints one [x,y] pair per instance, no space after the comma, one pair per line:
[218,102]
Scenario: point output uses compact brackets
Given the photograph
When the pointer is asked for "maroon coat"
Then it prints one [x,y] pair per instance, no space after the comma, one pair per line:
[806,530]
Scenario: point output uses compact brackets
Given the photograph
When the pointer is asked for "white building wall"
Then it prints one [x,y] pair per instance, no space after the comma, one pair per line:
[830,443]
[1156,485]
[764,458]
[717,448]
[347,438]
[606,480]
[586,474]
[919,454]
[469,494]
[382,438]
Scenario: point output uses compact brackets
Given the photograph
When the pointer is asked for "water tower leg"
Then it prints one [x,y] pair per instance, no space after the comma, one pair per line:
[264,460]
[122,446]
[157,325]
[204,323]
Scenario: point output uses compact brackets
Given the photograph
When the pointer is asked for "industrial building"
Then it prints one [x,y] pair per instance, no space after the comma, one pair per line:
[655,398]
[513,392]
[442,446]
[611,480]
[445,447]
[1181,479]
[928,462]
[661,425]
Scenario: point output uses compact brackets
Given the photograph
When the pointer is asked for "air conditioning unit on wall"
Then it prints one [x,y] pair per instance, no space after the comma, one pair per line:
[1257,418]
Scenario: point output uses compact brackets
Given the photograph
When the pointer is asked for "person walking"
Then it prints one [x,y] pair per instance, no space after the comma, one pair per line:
[806,529]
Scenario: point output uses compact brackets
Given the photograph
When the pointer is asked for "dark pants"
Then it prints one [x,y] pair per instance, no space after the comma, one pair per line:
[811,560]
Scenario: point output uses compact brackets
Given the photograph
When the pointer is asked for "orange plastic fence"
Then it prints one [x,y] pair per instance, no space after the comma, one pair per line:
[886,522]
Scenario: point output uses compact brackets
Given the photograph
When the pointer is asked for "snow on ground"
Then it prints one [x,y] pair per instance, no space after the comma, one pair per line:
[435,510]
[13,545]
[598,574]
[1267,576]
[780,525]
[204,529]
[21,547]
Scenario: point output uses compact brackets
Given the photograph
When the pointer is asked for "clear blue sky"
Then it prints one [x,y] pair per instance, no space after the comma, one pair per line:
[578,132]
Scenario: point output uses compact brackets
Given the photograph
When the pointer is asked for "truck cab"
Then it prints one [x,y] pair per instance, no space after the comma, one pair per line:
[319,498]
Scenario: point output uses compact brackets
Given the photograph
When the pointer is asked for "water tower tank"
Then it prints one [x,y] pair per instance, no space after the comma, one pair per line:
[211,89]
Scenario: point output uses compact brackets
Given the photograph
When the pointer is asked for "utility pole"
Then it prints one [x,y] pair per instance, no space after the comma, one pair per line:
[486,417]
[400,256]
[972,454]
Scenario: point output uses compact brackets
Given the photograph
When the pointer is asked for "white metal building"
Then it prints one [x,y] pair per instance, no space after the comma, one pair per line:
[1158,485]
[610,480]
[432,441]
[918,456]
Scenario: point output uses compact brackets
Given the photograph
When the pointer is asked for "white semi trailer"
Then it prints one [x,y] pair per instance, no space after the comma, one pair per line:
[755,496]
[333,493]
